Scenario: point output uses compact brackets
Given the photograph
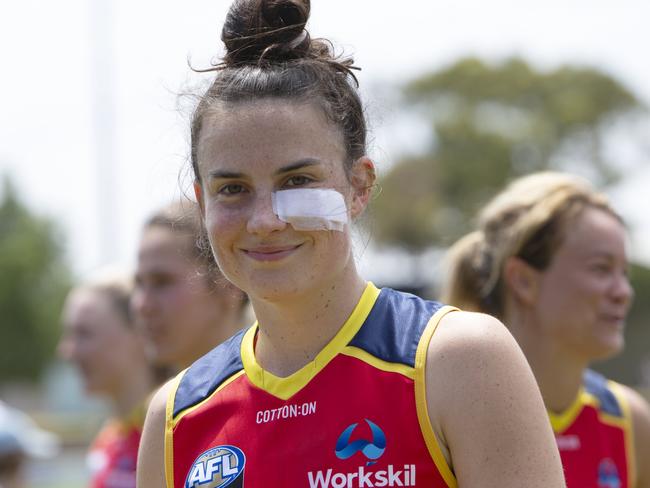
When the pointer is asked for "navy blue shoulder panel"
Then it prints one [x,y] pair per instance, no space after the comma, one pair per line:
[596,384]
[207,373]
[394,326]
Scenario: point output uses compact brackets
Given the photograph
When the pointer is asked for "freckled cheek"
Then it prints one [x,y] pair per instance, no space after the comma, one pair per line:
[223,225]
[334,246]
[224,229]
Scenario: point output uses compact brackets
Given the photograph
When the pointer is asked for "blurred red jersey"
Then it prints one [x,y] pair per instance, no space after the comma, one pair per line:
[113,456]
[594,436]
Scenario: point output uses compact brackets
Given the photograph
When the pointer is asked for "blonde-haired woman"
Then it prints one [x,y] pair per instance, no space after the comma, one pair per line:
[109,353]
[549,260]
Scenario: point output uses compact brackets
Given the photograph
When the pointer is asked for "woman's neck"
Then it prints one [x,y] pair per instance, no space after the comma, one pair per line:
[292,333]
[557,370]
[222,328]
[135,388]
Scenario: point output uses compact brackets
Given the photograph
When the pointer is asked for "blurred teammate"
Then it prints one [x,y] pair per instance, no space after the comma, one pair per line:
[549,260]
[181,302]
[338,384]
[100,339]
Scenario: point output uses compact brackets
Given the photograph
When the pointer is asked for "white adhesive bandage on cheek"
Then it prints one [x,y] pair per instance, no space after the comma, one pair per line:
[311,208]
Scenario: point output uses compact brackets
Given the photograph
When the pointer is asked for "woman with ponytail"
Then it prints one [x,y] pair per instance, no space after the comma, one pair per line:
[100,339]
[549,260]
[338,383]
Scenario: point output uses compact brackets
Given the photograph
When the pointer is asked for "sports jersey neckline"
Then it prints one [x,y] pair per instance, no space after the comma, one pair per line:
[561,420]
[285,388]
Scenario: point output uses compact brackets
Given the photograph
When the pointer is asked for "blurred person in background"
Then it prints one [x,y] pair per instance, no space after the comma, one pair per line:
[181,302]
[549,260]
[21,440]
[109,352]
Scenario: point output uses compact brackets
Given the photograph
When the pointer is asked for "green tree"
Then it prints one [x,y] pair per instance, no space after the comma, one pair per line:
[34,279]
[491,123]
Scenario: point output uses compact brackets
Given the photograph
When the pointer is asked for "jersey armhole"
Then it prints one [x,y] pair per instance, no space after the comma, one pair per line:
[169,431]
[421,398]
[628,431]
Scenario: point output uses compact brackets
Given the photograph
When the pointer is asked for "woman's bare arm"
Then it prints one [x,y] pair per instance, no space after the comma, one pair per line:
[486,409]
[151,455]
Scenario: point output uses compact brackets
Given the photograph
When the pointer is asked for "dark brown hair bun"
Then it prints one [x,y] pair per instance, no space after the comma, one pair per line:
[258,31]
[270,55]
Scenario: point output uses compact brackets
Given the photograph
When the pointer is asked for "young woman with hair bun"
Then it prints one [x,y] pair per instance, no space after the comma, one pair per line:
[549,260]
[338,383]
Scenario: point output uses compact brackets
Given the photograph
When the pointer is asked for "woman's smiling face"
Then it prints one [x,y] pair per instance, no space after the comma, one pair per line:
[584,294]
[247,151]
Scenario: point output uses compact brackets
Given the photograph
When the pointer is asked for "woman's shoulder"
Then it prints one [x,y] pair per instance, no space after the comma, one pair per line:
[639,411]
[482,397]
[206,374]
[466,333]
[470,351]
[471,359]
[158,403]
[151,458]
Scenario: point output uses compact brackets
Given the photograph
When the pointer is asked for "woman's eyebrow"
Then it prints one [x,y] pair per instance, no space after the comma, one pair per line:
[301,163]
[219,173]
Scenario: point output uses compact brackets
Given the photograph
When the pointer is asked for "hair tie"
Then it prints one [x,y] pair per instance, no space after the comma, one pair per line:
[298,40]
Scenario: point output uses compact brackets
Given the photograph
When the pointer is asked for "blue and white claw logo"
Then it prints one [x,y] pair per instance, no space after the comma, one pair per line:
[371,449]
[217,467]
[608,476]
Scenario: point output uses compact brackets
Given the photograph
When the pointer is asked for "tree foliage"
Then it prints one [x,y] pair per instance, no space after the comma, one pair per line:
[33,281]
[490,124]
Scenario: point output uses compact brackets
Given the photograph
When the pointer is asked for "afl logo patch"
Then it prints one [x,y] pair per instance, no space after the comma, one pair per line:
[217,467]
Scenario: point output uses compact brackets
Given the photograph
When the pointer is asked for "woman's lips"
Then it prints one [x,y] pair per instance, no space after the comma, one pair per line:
[270,253]
[617,320]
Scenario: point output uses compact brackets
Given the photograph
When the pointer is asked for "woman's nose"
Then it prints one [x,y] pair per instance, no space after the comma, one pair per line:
[622,289]
[262,220]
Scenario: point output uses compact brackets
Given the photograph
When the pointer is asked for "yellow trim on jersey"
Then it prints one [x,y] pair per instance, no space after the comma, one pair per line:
[206,399]
[421,398]
[561,421]
[169,431]
[628,431]
[380,364]
[285,388]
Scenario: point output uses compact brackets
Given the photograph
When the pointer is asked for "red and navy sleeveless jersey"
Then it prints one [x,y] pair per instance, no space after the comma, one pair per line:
[355,416]
[594,436]
[113,456]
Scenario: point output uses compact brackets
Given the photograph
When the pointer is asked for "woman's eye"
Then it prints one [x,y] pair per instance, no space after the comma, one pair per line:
[231,189]
[298,180]
[601,268]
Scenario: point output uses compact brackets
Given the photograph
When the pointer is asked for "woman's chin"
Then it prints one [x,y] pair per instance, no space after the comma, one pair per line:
[609,348]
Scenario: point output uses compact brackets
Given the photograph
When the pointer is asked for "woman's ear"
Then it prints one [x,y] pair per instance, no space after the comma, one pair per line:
[362,178]
[522,280]
[198,193]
